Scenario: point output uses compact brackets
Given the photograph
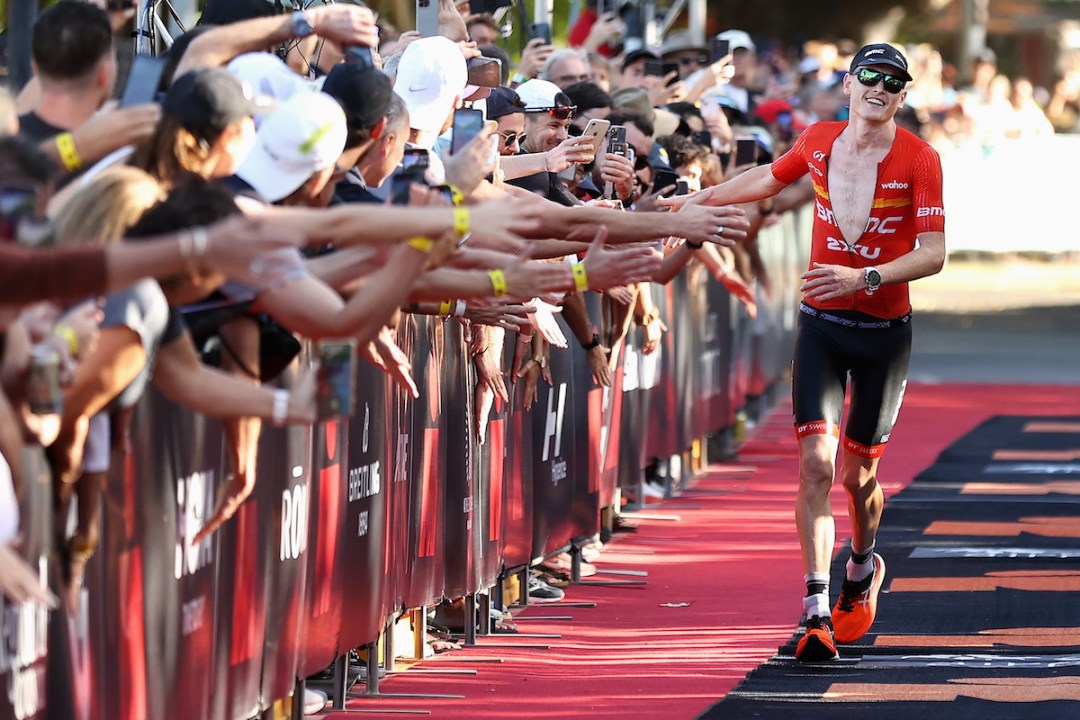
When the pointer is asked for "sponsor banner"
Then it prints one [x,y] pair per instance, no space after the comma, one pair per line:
[662,438]
[284,490]
[426,470]
[365,528]
[325,564]
[457,450]
[516,528]
[635,410]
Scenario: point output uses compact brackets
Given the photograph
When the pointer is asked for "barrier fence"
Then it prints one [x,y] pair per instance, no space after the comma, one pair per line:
[353,521]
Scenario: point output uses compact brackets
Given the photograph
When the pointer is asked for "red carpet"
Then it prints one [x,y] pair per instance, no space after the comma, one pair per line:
[724,583]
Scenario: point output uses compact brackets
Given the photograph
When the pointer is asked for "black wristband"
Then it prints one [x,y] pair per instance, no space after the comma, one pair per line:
[595,342]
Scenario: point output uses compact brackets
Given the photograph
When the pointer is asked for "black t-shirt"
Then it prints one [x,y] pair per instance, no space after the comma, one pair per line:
[36,129]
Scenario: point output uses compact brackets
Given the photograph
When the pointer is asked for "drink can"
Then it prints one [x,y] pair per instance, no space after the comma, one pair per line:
[43,381]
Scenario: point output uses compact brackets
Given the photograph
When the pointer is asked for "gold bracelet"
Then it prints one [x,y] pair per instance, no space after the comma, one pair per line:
[422,244]
[498,282]
[69,154]
[461,221]
[68,335]
[444,308]
[581,280]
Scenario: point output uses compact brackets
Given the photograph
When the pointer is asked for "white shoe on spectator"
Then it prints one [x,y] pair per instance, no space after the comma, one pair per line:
[314,701]
[540,591]
[652,490]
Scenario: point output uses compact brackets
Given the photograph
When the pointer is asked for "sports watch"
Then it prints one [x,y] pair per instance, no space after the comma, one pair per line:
[301,26]
[873,280]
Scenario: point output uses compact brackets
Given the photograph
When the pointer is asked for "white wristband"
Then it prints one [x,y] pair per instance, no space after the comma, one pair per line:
[280,412]
[459,308]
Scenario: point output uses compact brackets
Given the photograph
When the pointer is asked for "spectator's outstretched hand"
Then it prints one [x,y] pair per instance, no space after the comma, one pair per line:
[722,225]
[346,24]
[112,127]
[543,321]
[500,224]
[384,353]
[607,268]
[619,171]
[508,316]
[527,279]
[237,246]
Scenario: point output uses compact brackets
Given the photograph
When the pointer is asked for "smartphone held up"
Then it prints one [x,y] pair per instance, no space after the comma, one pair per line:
[336,379]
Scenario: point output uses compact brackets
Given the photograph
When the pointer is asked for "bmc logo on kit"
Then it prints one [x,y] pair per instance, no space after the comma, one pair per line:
[930,212]
[841,246]
[825,214]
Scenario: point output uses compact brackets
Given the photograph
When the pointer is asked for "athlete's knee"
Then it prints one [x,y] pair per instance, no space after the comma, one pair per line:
[816,471]
[859,477]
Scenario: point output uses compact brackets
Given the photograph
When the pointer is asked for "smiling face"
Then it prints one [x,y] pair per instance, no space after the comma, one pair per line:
[874,103]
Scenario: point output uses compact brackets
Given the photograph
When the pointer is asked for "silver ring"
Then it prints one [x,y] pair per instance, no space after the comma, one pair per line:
[719,230]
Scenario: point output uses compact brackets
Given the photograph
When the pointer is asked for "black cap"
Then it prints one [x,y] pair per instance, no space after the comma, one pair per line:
[503,101]
[881,54]
[363,92]
[206,101]
[635,55]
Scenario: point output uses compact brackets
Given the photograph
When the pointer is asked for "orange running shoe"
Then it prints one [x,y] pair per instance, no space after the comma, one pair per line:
[817,645]
[857,605]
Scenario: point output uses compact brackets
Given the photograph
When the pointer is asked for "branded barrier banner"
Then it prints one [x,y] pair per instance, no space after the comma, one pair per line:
[457,449]
[662,439]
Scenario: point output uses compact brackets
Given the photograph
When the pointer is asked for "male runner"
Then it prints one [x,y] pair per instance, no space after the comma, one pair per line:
[880,224]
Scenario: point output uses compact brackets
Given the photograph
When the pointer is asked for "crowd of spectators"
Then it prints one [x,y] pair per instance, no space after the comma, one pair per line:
[269,174]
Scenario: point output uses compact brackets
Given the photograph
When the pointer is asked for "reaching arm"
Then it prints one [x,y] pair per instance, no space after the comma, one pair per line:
[344,24]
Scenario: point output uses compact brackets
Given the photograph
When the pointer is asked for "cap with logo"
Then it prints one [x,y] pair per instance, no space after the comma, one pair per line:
[881,54]
[431,76]
[305,134]
[207,101]
[737,39]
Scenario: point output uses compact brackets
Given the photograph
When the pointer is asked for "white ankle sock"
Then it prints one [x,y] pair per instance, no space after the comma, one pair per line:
[860,571]
[817,604]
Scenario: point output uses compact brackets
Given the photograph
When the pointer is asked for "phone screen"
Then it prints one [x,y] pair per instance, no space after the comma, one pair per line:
[745,151]
[467,124]
[654,67]
[542,31]
[669,68]
[783,125]
[682,187]
[665,182]
[719,48]
[143,80]
[336,379]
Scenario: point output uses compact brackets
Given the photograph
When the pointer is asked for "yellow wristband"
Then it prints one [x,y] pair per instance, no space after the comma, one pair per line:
[461,221]
[69,336]
[581,280]
[456,195]
[445,307]
[422,244]
[498,282]
[69,154]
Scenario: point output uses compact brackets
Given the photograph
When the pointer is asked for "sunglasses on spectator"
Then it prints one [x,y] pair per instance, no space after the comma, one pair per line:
[870,78]
[512,137]
[689,59]
[559,112]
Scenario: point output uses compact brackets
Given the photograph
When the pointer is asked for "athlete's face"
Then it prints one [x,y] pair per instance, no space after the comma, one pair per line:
[873,102]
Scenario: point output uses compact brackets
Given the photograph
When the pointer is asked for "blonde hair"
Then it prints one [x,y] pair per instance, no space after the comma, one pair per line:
[101,211]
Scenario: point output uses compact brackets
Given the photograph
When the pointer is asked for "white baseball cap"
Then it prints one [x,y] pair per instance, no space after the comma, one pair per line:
[541,95]
[268,75]
[431,76]
[737,39]
[303,135]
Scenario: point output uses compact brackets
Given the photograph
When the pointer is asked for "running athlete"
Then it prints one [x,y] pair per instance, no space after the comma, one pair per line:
[879,225]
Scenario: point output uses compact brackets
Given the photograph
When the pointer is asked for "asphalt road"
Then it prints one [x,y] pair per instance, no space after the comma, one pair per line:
[1000,322]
